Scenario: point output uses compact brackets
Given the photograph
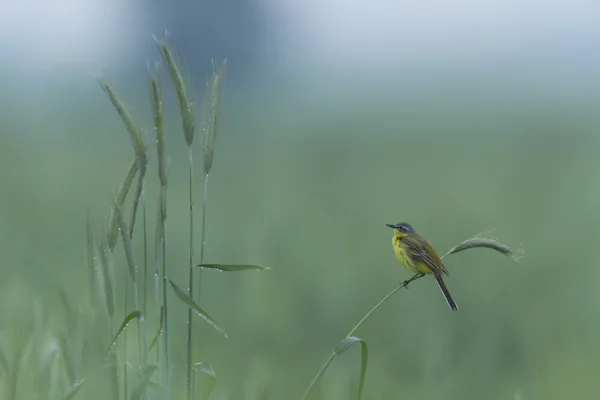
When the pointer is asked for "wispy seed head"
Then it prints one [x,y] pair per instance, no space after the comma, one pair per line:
[185,105]
[156,100]
[213,117]
[490,243]
[135,134]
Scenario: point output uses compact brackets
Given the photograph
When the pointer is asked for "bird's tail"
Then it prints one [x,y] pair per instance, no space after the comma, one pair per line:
[446,293]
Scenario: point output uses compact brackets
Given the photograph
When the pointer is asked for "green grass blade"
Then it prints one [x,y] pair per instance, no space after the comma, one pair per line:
[194,306]
[208,370]
[113,224]
[233,267]
[144,379]
[160,326]
[126,241]
[89,253]
[364,358]
[73,390]
[130,317]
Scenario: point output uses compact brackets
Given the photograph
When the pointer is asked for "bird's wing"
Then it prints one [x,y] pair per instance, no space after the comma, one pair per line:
[422,251]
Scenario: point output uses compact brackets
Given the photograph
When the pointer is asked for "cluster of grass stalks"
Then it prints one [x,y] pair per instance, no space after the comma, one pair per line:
[101,246]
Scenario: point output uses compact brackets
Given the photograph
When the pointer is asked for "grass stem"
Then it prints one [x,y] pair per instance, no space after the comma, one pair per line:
[189,369]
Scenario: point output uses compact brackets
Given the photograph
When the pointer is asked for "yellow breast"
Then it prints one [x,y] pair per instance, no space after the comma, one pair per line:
[402,255]
[406,260]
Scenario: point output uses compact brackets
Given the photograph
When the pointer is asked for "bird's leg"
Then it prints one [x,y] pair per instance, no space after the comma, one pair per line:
[414,278]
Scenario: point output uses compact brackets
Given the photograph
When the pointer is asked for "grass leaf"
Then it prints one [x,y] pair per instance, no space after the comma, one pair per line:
[130,317]
[144,379]
[90,257]
[160,326]
[73,390]
[364,358]
[195,307]
[113,224]
[233,267]
[126,240]
[208,370]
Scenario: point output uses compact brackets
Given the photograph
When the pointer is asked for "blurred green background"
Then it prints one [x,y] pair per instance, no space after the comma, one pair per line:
[304,185]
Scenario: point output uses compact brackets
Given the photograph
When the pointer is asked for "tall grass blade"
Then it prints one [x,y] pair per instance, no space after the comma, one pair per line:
[189,376]
[192,304]
[147,373]
[126,244]
[73,390]
[89,253]
[207,369]
[133,274]
[364,358]
[106,281]
[130,317]
[157,112]
[233,267]
[160,329]
[122,191]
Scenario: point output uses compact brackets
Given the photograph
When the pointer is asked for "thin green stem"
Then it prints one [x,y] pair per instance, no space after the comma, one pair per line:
[190,376]
[202,243]
[359,323]
[114,373]
[157,289]
[125,312]
[163,205]
[202,237]
[145,288]
[145,292]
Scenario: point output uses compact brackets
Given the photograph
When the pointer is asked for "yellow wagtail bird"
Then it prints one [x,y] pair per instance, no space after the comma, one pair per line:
[419,256]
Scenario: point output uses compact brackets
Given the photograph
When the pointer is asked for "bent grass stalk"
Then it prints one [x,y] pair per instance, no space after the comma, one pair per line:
[474,242]
[137,142]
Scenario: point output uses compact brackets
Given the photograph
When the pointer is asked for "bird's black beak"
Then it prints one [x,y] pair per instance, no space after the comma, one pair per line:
[391,226]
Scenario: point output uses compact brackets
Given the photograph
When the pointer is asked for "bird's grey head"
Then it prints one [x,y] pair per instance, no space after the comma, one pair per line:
[402,227]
